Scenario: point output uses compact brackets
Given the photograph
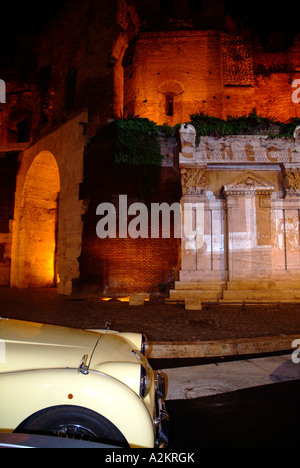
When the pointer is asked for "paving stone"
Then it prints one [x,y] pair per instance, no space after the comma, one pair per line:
[159,321]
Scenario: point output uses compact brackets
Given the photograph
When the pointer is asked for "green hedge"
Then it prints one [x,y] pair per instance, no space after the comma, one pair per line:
[246,124]
[137,142]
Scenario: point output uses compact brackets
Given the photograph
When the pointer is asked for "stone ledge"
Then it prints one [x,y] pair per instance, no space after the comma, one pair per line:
[269,295]
[210,285]
[227,347]
[263,284]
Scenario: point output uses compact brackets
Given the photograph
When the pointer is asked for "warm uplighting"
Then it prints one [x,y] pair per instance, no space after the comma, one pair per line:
[34,252]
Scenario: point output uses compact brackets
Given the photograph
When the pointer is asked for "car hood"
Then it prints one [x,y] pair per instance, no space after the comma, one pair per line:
[29,345]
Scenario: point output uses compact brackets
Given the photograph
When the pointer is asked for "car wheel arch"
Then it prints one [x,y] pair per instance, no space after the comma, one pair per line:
[48,419]
[32,391]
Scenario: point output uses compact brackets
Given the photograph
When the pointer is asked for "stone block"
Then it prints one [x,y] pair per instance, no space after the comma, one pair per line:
[204,294]
[137,299]
[193,304]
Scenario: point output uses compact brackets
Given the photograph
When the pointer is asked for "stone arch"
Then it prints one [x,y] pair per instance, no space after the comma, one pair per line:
[171,86]
[35,246]
[128,23]
[61,152]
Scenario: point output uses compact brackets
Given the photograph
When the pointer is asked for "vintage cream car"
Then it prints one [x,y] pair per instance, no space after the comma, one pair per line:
[95,385]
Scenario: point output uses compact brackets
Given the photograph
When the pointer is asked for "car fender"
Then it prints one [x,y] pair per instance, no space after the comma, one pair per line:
[25,393]
[132,338]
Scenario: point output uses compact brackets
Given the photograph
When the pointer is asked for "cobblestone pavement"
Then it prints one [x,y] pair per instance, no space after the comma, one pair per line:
[158,320]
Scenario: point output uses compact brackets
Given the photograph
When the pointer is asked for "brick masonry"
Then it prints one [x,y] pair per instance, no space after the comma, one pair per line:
[127,265]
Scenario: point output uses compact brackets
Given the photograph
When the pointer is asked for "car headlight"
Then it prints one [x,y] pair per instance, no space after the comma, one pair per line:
[145,345]
[145,383]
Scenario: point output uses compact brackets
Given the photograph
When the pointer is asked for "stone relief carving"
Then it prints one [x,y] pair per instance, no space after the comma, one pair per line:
[291,181]
[193,181]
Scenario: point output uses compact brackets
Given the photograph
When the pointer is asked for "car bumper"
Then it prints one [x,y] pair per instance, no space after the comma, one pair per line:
[161,420]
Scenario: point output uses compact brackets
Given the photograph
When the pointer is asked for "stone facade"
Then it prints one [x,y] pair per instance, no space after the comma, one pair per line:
[245,191]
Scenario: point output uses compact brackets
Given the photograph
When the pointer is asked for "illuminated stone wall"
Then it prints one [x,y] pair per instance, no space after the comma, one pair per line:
[246,207]
[47,226]
[184,66]
[207,71]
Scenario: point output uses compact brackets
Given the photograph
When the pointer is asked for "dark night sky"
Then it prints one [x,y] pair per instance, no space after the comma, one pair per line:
[19,18]
[261,15]
[266,16]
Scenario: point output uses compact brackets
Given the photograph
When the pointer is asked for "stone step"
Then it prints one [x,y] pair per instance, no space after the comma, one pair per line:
[203,294]
[273,295]
[263,284]
[195,285]
[237,291]
[202,276]
[260,301]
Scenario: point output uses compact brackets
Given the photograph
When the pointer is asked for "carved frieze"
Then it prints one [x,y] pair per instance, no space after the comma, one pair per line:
[246,149]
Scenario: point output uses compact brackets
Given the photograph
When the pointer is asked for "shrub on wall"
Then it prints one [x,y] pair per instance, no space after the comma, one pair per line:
[206,125]
[137,142]
[138,152]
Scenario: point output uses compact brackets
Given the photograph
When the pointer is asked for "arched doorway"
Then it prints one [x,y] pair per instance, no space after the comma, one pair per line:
[38,221]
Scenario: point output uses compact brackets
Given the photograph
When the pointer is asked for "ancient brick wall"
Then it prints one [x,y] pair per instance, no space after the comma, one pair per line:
[213,72]
[274,74]
[183,64]
[126,264]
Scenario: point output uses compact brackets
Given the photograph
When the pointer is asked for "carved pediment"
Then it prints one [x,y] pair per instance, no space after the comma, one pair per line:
[248,183]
